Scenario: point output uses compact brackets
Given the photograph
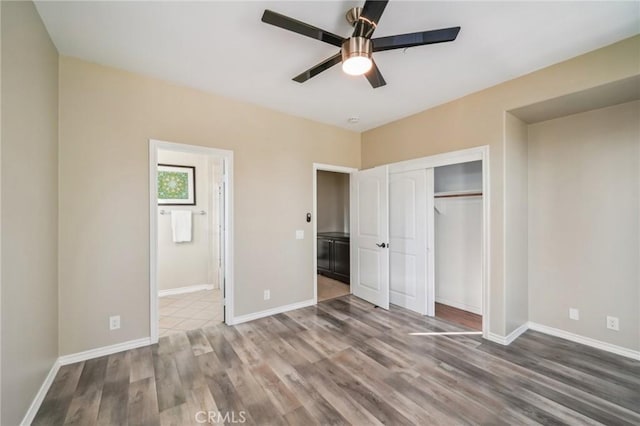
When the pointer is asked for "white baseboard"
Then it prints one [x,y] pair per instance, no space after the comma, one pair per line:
[183,290]
[473,309]
[132,344]
[618,350]
[507,340]
[70,359]
[105,350]
[280,309]
[42,392]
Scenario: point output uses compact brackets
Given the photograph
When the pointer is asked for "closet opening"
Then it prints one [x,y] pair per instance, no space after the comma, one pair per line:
[332,212]
[458,242]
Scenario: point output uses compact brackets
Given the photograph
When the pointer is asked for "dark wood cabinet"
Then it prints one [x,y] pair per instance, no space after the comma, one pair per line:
[333,255]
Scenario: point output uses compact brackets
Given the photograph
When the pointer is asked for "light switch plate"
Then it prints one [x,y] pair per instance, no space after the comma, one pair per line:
[574,314]
[114,322]
[299,234]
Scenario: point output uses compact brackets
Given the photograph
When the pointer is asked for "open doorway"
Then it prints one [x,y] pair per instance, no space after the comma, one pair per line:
[190,237]
[458,219]
[332,212]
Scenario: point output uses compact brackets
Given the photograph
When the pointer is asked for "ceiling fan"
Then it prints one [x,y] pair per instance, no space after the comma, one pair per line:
[356,51]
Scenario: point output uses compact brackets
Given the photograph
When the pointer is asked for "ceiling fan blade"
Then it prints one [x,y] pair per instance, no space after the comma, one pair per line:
[322,66]
[300,27]
[402,41]
[372,9]
[369,18]
[375,76]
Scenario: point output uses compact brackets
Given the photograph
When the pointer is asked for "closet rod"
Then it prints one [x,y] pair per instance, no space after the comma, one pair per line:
[474,194]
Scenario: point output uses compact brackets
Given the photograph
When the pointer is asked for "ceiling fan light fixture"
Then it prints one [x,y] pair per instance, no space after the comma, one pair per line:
[356,55]
[357,65]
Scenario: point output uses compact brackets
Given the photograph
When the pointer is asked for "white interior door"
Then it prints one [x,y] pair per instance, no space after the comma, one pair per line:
[370,236]
[408,240]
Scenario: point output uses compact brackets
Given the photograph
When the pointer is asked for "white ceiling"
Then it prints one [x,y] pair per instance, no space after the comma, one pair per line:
[224,48]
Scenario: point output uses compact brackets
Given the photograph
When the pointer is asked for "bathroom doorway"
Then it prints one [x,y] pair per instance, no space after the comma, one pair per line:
[189,214]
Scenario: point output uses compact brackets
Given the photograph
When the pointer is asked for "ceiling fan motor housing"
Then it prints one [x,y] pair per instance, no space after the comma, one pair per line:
[356,46]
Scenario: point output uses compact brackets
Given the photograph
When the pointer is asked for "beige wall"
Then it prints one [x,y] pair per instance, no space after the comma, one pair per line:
[188,263]
[584,229]
[29,207]
[106,119]
[516,223]
[478,119]
[333,201]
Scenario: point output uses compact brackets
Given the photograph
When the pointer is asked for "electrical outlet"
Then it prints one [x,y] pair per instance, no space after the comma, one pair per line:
[300,234]
[574,314]
[613,323]
[267,294]
[114,322]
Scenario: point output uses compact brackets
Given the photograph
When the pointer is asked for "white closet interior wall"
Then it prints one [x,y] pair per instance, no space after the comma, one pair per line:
[458,237]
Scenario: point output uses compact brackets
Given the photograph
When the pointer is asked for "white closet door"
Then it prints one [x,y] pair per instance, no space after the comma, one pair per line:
[370,236]
[408,239]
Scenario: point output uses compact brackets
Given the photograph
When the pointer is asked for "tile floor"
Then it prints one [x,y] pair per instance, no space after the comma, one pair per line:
[329,288]
[190,311]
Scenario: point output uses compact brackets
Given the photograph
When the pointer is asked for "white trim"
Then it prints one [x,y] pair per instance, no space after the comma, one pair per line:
[430,308]
[227,157]
[503,207]
[42,392]
[71,359]
[598,344]
[502,340]
[272,311]
[486,241]
[444,159]
[186,289]
[473,309]
[314,213]
[562,334]
[104,350]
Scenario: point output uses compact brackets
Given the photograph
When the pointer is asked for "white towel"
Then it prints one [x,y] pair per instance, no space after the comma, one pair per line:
[181,225]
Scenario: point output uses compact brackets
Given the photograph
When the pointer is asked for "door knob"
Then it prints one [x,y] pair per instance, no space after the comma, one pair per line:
[383,245]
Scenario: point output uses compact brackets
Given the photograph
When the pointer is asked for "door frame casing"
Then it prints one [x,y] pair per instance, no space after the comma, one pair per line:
[314,218]
[227,159]
[480,153]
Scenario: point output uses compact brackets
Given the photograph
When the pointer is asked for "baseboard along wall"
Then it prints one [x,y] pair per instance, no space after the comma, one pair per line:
[132,344]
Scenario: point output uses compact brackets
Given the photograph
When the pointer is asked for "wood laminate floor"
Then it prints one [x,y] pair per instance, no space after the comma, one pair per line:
[346,362]
[459,316]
